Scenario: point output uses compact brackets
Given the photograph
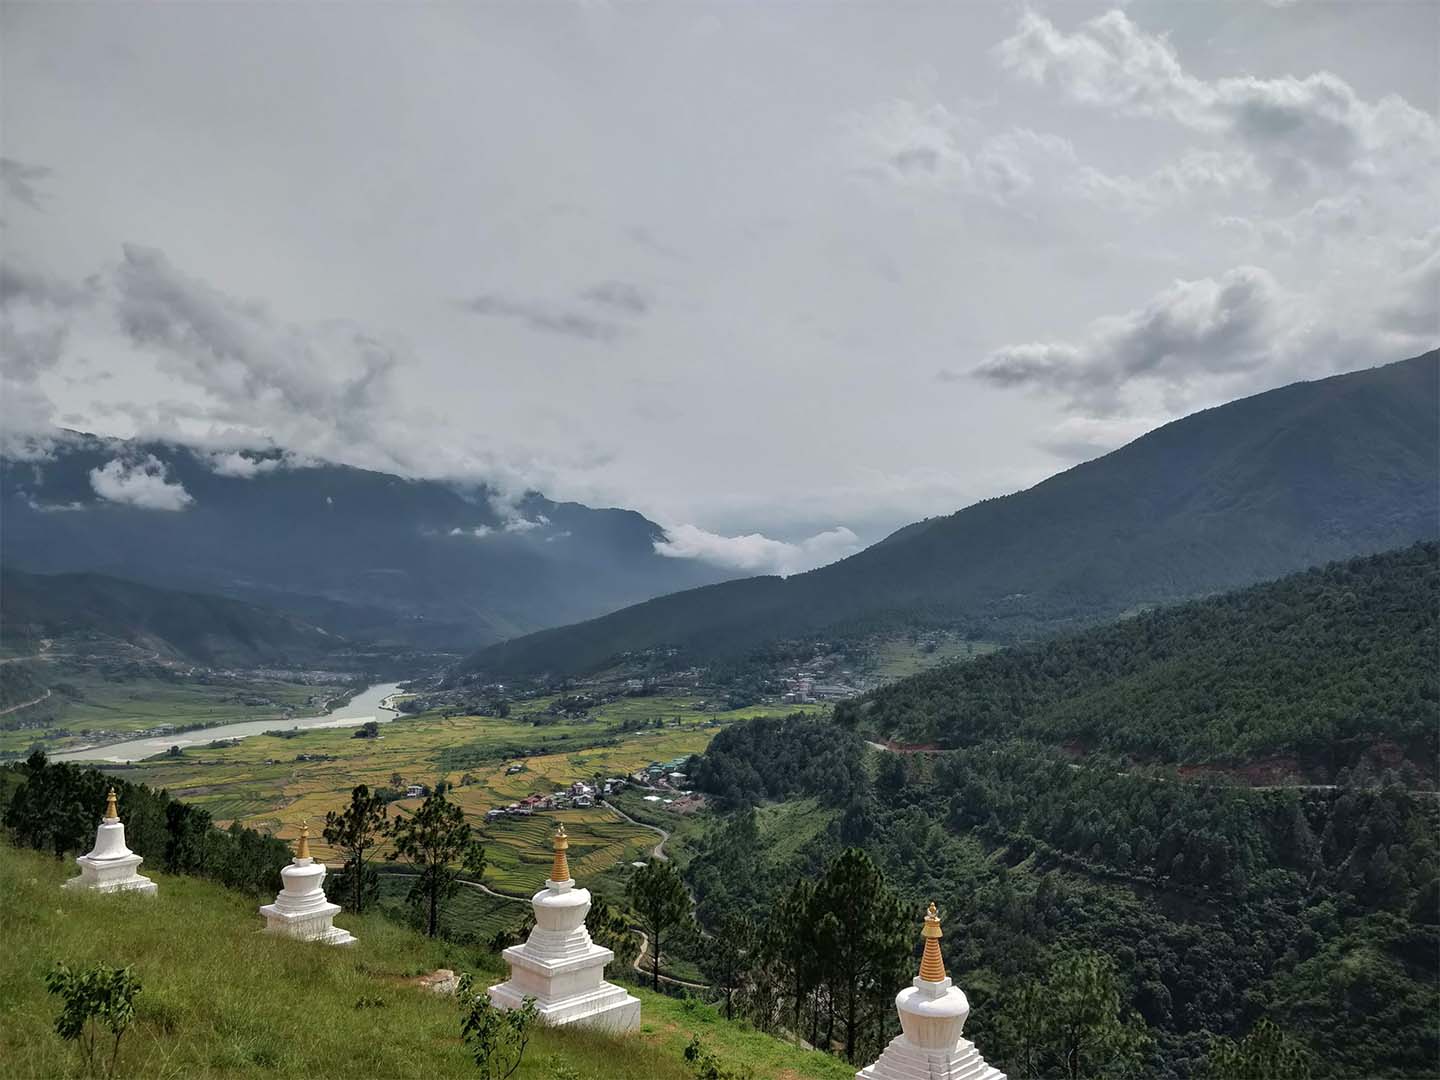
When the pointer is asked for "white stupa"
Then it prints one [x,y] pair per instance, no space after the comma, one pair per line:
[559,966]
[932,1015]
[300,909]
[110,866]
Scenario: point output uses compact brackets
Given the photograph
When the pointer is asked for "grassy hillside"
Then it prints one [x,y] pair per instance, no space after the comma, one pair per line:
[1242,493]
[1321,667]
[209,630]
[220,999]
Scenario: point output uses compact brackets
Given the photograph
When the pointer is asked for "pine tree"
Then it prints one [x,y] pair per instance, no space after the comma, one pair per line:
[658,896]
[431,840]
[354,832]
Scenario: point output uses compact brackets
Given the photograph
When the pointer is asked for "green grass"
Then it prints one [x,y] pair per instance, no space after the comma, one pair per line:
[898,658]
[470,911]
[221,1000]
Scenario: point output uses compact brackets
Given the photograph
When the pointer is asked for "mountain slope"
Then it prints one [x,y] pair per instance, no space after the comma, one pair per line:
[1320,667]
[210,630]
[363,553]
[1241,493]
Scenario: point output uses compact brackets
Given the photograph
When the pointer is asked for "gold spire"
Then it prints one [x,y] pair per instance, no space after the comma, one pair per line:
[111,809]
[302,849]
[561,870]
[932,967]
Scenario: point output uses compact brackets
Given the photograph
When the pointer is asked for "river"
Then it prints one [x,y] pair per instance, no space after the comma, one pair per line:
[364,706]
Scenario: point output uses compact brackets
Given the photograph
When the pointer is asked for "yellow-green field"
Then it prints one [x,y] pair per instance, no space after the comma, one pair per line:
[260,783]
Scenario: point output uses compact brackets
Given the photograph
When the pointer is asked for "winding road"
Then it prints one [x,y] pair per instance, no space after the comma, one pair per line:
[658,851]
[24,704]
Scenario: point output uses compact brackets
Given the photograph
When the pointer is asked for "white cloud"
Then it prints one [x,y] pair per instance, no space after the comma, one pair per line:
[144,484]
[933,147]
[755,553]
[236,463]
[1297,128]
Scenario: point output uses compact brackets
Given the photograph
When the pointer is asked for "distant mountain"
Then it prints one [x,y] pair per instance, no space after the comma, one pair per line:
[210,630]
[1233,495]
[361,553]
[1321,668]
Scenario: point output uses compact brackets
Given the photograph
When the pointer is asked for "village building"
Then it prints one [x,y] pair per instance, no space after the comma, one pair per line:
[110,866]
[559,966]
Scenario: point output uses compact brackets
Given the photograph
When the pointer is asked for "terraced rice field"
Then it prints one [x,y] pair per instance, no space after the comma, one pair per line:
[469,912]
[262,783]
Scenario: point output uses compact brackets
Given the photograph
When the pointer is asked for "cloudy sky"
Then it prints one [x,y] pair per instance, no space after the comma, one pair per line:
[782,276]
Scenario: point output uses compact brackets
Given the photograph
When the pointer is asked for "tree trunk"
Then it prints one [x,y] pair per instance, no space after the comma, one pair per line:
[434,905]
[851,991]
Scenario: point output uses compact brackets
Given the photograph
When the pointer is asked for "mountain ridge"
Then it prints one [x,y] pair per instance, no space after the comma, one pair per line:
[202,628]
[1243,492]
[364,553]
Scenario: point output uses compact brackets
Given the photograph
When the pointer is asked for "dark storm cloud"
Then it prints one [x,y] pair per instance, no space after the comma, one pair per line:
[20,181]
[1214,326]
[545,318]
[619,296]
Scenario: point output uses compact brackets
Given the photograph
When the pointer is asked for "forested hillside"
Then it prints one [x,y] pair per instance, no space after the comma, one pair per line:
[1204,909]
[1322,668]
[1242,493]
[205,629]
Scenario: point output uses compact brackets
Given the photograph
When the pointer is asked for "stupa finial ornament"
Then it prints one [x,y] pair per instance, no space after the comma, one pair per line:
[932,965]
[112,806]
[559,966]
[560,870]
[302,849]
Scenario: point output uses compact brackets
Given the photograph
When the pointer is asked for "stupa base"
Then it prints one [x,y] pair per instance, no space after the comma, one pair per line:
[111,875]
[317,925]
[903,1060]
[607,1007]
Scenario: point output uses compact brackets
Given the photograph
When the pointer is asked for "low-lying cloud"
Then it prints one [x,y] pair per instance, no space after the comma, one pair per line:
[755,553]
[143,483]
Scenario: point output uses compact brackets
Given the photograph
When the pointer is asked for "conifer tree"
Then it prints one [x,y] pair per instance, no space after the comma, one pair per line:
[863,935]
[432,840]
[356,831]
[658,896]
